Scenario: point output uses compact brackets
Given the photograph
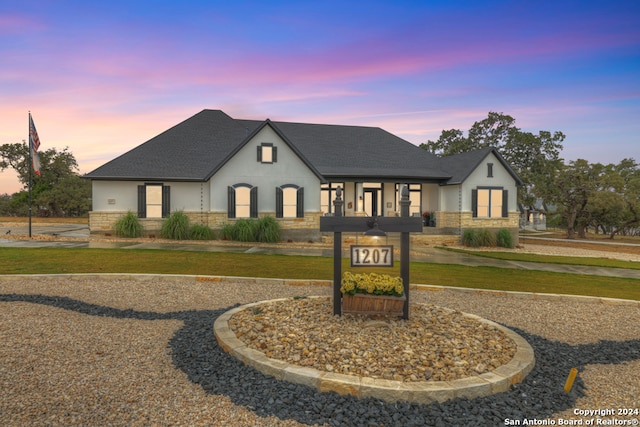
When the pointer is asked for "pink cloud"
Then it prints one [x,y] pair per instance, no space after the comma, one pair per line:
[13,23]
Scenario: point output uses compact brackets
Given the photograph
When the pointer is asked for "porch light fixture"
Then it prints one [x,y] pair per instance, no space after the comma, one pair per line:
[374,230]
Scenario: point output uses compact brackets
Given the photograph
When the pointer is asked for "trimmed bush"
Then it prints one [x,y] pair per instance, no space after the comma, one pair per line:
[505,239]
[268,230]
[128,226]
[201,232]
[176,226]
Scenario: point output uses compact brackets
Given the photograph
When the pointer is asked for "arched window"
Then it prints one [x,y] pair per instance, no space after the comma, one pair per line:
[289,201]
[243,201]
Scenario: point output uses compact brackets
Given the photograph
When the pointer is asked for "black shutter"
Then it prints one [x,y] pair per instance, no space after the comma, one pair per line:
[142,201]
[505,203]
[253,198]
[259,153]
[300,202]
[279,203]
[231,202]
[274,154]
[474,203]
[166,201]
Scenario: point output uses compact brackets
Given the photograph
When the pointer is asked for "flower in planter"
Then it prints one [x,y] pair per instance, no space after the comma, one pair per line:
[373,283]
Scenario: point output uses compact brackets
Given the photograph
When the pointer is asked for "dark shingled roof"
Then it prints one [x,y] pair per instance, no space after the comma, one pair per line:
[358,151]
[461,165]
[199,146]
[189,151]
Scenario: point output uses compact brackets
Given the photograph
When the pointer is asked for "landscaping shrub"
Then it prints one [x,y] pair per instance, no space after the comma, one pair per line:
[264,230]
[244,230]
[504,238]
[176,226]
[268,230]
[477,238]
[487,237]
[470,238]
[128,226]
[227,232]
[201,232]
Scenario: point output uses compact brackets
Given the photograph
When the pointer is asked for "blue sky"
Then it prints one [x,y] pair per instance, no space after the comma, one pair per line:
[102,78]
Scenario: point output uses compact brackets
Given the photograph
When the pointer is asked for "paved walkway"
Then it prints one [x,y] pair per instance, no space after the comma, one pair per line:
[421,254]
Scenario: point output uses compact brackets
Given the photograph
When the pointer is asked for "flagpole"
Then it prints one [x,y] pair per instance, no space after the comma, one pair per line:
[30,166]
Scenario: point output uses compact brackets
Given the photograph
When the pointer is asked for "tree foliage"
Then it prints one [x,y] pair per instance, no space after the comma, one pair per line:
[604,197]
[615,207]
[534,157]
[58,191]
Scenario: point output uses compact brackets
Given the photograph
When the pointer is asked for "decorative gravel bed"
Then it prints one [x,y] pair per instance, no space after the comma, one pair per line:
[124,351]
[434,344]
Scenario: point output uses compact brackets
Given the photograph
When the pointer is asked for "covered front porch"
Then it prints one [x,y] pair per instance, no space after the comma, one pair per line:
[382,198]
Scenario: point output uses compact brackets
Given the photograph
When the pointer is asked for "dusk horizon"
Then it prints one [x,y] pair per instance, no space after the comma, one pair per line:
[102,79]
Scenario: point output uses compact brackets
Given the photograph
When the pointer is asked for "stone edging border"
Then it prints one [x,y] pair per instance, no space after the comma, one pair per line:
[496,381]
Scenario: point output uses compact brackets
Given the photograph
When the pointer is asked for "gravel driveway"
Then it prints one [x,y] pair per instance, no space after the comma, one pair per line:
[110,350]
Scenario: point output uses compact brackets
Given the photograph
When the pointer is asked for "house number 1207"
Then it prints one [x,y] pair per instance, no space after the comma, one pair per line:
[371,256]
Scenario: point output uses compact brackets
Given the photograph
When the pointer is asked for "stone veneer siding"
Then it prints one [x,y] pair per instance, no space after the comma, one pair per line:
[457,222]
[307,228]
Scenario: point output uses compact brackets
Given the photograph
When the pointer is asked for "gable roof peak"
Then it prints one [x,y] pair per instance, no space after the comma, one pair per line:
[461,165]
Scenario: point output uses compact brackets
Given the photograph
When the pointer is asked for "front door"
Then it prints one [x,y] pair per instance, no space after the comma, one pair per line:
[372,197]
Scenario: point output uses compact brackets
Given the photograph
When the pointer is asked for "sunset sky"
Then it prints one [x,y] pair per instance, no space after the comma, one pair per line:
[103,77]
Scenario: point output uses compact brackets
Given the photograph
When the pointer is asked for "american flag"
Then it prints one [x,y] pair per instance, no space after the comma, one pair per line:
[34,144]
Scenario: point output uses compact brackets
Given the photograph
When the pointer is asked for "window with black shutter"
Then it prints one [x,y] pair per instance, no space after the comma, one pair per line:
[154,201]
[490,203]
[289,201]
[242,201]
[267,153]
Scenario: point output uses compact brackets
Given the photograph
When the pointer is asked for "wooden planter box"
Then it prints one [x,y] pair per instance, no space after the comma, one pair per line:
[373,304]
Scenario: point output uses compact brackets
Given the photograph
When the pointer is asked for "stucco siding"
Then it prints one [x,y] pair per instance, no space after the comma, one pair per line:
[114,196]
[450,197]
[430,199]
[187,196]
[500,178]
[118,196]
[245,168]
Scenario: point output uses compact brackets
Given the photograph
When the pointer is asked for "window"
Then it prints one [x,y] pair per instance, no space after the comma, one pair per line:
[289,201]
[415,196]
[242,201]
[489,170]
[490,203]
[267,153]
[153,201]
[328,195]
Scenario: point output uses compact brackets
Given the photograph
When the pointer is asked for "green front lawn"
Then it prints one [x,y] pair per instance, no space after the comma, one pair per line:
[551,259]
[68,260]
